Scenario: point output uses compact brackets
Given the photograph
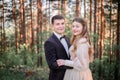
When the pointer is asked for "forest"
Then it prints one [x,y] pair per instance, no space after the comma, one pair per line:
[25,26]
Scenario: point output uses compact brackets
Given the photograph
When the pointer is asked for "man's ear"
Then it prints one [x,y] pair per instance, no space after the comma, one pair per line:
[51,25]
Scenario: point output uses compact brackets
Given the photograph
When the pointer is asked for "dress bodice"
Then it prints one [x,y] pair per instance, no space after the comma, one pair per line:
[80,63]
[81,59]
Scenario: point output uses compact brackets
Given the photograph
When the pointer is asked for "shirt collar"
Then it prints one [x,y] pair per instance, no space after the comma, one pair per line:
[57,35]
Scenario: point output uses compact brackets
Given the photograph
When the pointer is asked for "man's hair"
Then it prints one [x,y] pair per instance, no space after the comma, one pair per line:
[56,17]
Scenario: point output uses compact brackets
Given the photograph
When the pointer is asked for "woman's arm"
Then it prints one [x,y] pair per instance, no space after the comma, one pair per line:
[81,60]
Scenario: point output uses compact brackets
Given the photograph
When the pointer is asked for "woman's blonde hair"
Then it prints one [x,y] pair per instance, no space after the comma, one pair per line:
[84,34]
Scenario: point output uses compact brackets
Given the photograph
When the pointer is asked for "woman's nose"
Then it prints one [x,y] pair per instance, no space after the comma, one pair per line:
[74,28]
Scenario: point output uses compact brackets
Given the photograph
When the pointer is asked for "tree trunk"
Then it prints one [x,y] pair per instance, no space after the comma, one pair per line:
[98,28]
[102,36]
[99,42]
[95,21]
[23,29]
[20,21]
[110,31]
[39,30]
[14,17]
[85,9]
[1,40]
[77,8]
[90,14]
[4,34]
[64,3]
[118,43]
[59,7]
[31,27]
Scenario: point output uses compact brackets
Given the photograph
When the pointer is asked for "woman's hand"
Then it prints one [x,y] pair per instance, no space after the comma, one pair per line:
[60,62]
[74,57]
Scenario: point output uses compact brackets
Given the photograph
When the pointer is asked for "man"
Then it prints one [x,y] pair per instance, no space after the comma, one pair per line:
[56,47]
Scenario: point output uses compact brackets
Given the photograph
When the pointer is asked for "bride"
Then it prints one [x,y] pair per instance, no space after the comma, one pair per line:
[80,52]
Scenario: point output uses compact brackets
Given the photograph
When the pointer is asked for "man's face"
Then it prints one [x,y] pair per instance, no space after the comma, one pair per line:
[59,26]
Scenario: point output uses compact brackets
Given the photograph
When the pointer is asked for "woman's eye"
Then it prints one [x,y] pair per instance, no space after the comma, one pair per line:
[75,26]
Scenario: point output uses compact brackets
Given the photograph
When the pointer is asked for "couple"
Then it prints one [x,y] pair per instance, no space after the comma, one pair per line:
[68,60]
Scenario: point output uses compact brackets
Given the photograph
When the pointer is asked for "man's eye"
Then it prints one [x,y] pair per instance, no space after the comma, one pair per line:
[62,23]
[57,24]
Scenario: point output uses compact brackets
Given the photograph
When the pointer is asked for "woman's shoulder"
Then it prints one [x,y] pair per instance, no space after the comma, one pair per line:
[84,41]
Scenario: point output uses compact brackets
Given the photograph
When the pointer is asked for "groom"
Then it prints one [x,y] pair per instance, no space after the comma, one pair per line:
[56,47]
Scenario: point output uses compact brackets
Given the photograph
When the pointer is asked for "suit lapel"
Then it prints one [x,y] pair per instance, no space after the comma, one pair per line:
[57,41]
[60,44]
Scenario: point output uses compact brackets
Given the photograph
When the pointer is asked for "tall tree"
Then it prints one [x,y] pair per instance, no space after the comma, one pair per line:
[84,8]
[77,8]
[39,22]
[22,16]
[110,30]
[118,42]
[98,27]
[98,32]
[95,21]
[90,14]
[59,7]
[63,6]
[4,34]
[39,30]
[102,32]
[31,27]
[14,17]
[1,28]
[118,31]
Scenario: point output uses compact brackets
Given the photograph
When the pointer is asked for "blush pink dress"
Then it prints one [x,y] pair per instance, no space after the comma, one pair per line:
[80,64]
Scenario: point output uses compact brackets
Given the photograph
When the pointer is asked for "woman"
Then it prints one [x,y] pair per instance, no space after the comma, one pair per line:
[80,52]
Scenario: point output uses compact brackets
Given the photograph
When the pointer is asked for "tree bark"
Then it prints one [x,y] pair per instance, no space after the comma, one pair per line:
[39,30]
[95,21]
[4,34]
[23,29]
[90,14]
[118,43]
[16,33]
[31,27]
[85,9]
[77,8]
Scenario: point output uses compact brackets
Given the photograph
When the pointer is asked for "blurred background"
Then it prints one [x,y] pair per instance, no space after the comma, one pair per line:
[25,25]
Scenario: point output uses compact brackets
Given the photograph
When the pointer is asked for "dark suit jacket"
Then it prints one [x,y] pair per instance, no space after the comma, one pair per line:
[54,50]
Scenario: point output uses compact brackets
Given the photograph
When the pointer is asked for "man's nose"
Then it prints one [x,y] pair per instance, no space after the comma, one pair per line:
[61,25]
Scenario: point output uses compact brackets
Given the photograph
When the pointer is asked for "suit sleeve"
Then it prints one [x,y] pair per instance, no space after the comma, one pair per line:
[50,54]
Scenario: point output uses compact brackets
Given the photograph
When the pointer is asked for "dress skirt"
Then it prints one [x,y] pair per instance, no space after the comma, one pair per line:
[73,74]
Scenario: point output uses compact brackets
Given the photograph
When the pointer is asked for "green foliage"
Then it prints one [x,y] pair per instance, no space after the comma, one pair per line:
[94,37]
[12,74]
[6,74]
[103,69]
[21,66]
[68,32]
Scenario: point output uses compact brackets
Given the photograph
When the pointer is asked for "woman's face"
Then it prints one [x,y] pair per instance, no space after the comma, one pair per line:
[76,28]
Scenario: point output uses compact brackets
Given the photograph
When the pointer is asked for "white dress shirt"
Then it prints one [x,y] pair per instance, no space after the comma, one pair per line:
[63,41]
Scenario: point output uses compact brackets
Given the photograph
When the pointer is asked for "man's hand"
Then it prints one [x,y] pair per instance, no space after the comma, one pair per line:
[60,62]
